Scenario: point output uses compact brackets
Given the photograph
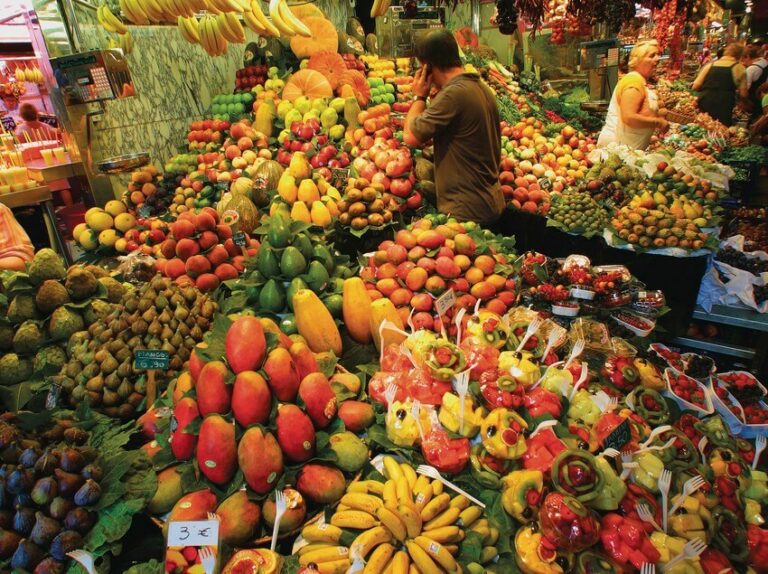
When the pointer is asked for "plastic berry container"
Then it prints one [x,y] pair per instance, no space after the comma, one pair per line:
[582,292]
[640,326]
[565,308]
[670,375]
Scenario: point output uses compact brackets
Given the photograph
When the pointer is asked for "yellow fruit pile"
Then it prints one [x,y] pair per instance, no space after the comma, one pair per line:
[103,227]
[406,521]
[362,205]
[379,68]
[311,201]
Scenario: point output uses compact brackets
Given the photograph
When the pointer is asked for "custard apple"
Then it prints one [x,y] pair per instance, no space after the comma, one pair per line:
[52,355]
[28,338]
[22,308]
[64,322]
[14,369]
[46,265]
[80,283]
[50,295]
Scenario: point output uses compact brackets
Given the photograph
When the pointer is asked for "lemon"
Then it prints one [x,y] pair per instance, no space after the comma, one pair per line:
[121,245]
[88,240]
[124,222]
[108,237]
[99,221]
[79,228]
[115,207]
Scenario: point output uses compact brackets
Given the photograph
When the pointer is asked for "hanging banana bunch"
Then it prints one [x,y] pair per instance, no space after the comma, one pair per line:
[109,21]
[211,38]
[380,8]
[285,20]
[257,21]
[189,28]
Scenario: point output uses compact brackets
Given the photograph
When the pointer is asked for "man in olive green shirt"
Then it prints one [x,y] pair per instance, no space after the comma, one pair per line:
[463,120]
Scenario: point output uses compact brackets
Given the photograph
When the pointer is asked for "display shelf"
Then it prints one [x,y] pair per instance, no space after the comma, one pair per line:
[715,347]
[734,317]
[27,197]
[41,172]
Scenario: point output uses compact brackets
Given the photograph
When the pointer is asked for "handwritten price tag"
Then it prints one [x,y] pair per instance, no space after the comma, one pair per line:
[193,533]
[148,359]
[239,239]
[619,437]
[445,302]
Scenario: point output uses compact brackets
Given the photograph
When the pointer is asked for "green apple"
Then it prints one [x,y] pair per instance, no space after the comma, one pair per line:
[303,104]
[329,117]
[338,105]
[292,116]
[283,108]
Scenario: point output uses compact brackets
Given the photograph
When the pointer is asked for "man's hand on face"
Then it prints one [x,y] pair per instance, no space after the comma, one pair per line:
[422,82]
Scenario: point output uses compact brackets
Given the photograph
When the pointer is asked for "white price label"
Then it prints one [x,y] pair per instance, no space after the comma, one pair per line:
[446,301]
[193,533]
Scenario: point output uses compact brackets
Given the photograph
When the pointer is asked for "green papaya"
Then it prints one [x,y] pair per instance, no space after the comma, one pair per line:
[297,283]
[322,254]
[342,271]
[267,263]
[317,277]
[334,303]
[303,244]
[292,263]
[288,324]
[279,234]
[272,297]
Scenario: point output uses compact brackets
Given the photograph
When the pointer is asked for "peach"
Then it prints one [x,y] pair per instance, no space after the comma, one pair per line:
[187,248]
[217,255]
[223,231]
[182,228]
[207,282]
[206,221]
[197,265]
[244,143]
[168,248]
[207,240]
[174,268]
[232,152]
[497,306]
[225,272]
[188,216]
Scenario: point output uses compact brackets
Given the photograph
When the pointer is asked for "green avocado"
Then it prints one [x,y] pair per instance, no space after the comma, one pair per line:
[317,277]
[272,297]
[296,284]
[267,263]
[279,231]
[322,254]
[303,244]
[292,263]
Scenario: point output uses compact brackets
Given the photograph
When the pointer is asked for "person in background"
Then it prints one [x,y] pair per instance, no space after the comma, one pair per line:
[633,113]
[463,120]
[760,127]
[720,83]
[34,129]
[15,247]
[757,75]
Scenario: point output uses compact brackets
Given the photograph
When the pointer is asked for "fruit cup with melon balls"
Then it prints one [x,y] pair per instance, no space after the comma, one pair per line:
[502,434]
[567,524]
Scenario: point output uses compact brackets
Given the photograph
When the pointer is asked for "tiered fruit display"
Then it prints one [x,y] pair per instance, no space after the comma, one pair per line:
[577,213]
[363,206]
[409,521]
[311,138]
[242,434]
[309,200]
[612,181]
[250,77]
[523,191]
[647,223]
[159,315]
[381,92]
[426,260]
[201,251]
[181,164]
[45,306]
[289,259]
[667,179]
[379,67]
[150,189]
[353,62]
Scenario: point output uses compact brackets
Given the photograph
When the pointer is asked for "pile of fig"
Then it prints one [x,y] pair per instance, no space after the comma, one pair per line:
[49,486]
[160,315]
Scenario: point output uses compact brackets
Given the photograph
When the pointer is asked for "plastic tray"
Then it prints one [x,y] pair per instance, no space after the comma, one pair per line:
[760,386]
[637,331]
[734,421]
[682,403]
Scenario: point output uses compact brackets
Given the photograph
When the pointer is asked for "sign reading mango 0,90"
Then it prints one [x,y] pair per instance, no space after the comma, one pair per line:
[148,359]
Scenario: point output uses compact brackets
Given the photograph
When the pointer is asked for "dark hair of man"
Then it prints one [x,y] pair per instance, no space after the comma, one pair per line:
[439,49]
[28,112]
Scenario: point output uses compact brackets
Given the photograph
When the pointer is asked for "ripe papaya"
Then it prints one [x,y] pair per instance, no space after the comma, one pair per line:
[260,459]
[295,433]
[183,443]
[245,344]
[315,323]
[383,310]
[214,395]
[356,310]
[304,359]
[217,449]
[193,506]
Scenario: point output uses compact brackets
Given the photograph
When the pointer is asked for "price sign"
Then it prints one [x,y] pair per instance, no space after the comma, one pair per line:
[193,533]
[544,183]
[260,183]
[239,239]
[49,120]
[446,301]
[8,123]
[619,437]
[148,359]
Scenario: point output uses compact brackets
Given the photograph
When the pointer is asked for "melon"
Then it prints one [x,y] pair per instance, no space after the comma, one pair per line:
[246,210]
[267,175]
[324,38]
[356,80]
[330,65]
[310,83]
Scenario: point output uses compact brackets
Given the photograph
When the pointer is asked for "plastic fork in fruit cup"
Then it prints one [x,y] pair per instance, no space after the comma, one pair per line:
[533,326]
[665,481]
[628,464]
[692,549]
[760,442]
[664,446]
[576,350]
[610,453]
[84,558]
[648,568]
[654,433]
[416,412]
[613,404]
[208,559]
[281,505]
[390,393]
[691,485]
[583,377]
[645,514]
[551,340]
[457,321]
[432,472]
[461,386]
[702,446]
[543,425]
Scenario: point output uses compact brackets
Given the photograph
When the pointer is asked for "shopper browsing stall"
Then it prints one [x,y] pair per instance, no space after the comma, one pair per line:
[757,76]
[31,128]
[463,120]
[720,83]
[633,113]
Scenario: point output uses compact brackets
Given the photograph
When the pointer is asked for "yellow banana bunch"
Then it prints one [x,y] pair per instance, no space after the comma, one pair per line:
[380,8]
[153,10]
[125,43]
[189,28]
[226,5]
[211,39]
[285,20]
[406,524]
[132,10]
[257,14]
[230,27]
[109,21]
